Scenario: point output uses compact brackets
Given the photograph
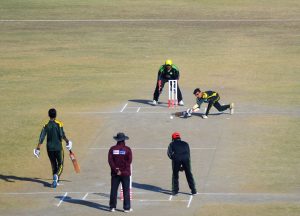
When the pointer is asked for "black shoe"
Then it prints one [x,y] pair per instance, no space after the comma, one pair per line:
[194,193]
[174,193]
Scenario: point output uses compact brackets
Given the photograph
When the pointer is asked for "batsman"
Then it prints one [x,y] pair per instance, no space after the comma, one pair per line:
[167,72]
[55,133]
[210,97]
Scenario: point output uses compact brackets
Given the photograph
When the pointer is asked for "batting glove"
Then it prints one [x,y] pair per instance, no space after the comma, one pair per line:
[189,111]
[69,145]
[36,152]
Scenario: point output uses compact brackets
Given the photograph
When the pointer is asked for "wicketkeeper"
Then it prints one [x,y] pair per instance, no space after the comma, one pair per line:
[210,97]
[55,133]
[167,72]
[179,153]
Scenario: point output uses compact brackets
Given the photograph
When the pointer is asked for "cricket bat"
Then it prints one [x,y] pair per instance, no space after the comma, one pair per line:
[74,161]
[180,114]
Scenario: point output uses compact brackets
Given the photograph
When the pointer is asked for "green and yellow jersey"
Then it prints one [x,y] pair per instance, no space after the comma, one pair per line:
[164,74]
[55,133]
[207,97]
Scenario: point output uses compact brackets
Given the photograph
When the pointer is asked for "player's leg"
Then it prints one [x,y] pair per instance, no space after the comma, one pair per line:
[158,90]
[126,192]
[189,176]
[209,106]
[175,176]
[220,107]
[60,162]
[53,161]
[179,96]
[115,181]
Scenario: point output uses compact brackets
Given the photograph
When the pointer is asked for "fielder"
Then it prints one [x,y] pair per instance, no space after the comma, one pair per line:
[55,133]
[210,97]
[167,72]
[179,153]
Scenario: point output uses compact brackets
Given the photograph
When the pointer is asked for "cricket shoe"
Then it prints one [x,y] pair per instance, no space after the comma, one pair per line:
[112,210]
[128,210]
[231,108]
[194,193]
[181,103]
[55,180]
[174,193]
[204,116]
[154,102]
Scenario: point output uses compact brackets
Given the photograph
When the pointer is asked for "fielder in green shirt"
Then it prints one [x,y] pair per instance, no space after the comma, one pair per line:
[54,132]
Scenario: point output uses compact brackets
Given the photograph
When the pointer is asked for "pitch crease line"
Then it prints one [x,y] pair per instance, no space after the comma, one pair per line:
[124,107]
[85,196]
[138,109]
[190,201]
[62,199]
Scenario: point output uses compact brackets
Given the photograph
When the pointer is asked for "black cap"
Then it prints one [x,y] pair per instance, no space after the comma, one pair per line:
[121,137]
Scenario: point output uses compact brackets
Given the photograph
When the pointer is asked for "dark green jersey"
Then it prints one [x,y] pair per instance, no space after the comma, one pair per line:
[207,97]
[55,133]
[164,74]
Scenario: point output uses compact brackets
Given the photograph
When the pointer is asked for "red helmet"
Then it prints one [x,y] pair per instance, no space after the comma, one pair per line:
[176,135]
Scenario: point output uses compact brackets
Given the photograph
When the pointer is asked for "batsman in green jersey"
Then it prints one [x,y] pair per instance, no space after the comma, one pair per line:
[54,132]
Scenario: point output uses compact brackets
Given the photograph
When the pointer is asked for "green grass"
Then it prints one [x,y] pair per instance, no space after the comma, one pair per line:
[277,209]
[92,66]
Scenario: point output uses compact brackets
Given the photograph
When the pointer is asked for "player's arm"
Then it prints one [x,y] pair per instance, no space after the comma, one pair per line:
[64,135]
[43,134]
[69,143]
[111,161]
[129,159]
[170,151]
[159,78]
[177,73]
[195,108]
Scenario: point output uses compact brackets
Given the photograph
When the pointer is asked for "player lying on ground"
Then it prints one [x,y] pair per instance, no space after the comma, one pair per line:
[55,133]
[210,97]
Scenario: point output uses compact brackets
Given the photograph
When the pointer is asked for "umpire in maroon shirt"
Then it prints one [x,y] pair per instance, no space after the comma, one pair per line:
[119,159]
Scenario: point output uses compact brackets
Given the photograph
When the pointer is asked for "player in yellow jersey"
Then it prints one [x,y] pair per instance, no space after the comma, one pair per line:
[210,97]
[55,134]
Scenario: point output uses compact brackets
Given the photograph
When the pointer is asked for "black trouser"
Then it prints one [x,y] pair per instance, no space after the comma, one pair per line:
[215,102]
[57,161]
[186,164]
[157,92]
[115,182]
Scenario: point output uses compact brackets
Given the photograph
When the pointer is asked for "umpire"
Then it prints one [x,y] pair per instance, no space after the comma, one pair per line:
[119,159]
[179,153]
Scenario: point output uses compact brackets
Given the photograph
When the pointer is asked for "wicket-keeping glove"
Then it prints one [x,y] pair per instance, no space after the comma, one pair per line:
[69,145]
[36,152]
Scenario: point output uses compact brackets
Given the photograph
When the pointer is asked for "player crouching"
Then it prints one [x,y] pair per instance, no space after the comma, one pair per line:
[210,97]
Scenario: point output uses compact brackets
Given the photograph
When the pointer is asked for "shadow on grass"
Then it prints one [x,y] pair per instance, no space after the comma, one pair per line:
[150,188]
[84,203]
[148,102]
[12,179]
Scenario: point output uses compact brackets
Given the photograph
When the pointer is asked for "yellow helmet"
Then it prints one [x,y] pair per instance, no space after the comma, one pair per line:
[168,62]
